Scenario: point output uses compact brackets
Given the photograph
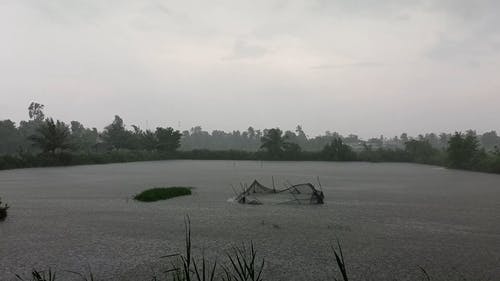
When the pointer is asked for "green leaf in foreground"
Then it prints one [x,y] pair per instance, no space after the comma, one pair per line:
[162,193]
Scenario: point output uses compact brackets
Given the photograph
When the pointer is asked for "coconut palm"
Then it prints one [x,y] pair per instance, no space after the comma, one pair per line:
[52,136]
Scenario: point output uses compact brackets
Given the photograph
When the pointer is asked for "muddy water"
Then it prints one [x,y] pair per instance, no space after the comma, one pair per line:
[390,219]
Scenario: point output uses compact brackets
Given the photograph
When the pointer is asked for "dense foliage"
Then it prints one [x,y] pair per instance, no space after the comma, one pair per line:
[52,136]
[338,151]
[278,147]
[42,141]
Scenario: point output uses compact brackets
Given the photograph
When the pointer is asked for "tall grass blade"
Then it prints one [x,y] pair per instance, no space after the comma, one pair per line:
[339,258]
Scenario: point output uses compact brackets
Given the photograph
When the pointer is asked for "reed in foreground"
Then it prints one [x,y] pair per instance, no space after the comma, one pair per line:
[242,264]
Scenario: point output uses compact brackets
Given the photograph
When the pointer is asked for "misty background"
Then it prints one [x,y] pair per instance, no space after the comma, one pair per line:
[369,68]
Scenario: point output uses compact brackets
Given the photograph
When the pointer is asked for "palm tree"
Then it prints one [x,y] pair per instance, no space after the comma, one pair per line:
[52,136]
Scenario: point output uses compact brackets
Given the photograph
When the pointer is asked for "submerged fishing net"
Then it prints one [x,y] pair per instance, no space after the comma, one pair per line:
[257,194]
[305,193]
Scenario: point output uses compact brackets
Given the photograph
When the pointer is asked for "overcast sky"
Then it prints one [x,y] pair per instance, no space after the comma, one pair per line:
[367,67]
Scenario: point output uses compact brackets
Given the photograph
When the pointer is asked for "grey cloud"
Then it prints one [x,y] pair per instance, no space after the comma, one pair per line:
[347,65]
[473,38]
[467,10]
[374,8]
[470,50]
[473,33]
[70,12]
[245,50]
[90,59]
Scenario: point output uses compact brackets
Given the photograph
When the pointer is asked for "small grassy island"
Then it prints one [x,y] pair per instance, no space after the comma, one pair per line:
[162,193]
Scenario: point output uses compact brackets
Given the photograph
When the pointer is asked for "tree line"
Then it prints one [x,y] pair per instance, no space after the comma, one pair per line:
[42,141]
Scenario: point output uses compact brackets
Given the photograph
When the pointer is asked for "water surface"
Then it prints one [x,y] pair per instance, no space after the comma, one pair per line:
[390,218]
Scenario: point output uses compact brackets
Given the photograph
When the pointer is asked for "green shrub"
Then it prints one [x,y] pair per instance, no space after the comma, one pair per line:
[3,210]
[162,193]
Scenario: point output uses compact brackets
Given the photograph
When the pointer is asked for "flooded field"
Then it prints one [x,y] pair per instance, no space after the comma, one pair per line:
[390,219]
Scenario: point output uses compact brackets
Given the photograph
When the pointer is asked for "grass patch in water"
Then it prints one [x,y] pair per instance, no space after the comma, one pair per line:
[162,193]
[3,210]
